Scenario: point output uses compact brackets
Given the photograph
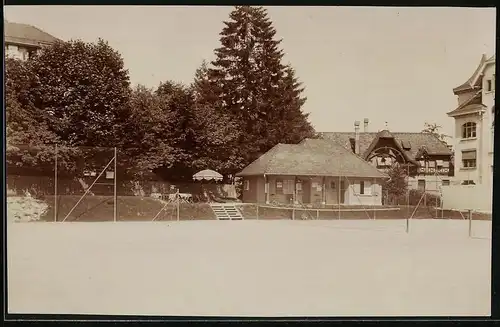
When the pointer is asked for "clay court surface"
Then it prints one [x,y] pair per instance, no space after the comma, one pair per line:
[251,268]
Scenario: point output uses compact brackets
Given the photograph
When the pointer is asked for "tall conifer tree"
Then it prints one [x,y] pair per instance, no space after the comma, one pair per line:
[249,81]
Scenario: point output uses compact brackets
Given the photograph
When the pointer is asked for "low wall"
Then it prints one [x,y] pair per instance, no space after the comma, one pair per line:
[465,197]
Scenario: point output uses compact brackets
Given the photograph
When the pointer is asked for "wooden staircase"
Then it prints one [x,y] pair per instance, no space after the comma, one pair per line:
[226,211]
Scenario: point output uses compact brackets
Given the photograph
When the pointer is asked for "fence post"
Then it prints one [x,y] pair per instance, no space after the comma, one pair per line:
[293,213]
[374,196]
[257,211]
[470,222]
[178,205]
[55,184]
[339,189]
[115,197]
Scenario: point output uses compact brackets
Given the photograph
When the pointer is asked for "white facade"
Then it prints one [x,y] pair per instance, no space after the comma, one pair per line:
[18,51]
[22,40]
[474,123]
[429,183]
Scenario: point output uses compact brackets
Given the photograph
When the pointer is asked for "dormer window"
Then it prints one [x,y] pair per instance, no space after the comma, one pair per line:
[469,130]
[406,145]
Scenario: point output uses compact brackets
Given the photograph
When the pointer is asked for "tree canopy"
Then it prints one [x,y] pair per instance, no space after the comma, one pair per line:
[78,95]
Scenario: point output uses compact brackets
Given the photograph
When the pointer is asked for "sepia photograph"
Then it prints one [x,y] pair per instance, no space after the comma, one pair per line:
[249,161]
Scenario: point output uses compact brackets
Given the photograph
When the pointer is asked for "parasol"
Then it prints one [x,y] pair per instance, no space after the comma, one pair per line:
[207,175]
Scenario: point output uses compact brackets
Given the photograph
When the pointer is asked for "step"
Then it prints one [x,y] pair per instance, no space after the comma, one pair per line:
[226,211]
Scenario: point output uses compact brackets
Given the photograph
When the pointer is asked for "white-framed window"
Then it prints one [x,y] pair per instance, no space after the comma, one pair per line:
[288,186]
[432,164]
[492,129]
[489,85]
[446,164]
[493,117]
[421,184]
[246,185]
[365,188]
[279,186]
[469,159]
[469,130]
[23,52]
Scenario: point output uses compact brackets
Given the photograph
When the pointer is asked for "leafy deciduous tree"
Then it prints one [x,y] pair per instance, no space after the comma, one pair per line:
[84,89]
[396,186]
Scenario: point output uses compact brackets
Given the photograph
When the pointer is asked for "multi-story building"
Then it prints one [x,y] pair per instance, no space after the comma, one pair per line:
[428,159]
[474,126]
[22,40]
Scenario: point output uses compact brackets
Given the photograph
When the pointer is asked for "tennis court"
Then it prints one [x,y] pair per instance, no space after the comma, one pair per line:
[251,268]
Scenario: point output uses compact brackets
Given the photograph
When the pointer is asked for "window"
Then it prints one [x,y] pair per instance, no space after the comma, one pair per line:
[23,53]
[279,186]
[492,129]
[446,164]
[489,86]
[469,159]
[247,185]
[468,182]
[365,187]
[421,184]
[432,164]
[288,186]
[468,130]
[493,117]
[439,163]
[446,182]
[332,185]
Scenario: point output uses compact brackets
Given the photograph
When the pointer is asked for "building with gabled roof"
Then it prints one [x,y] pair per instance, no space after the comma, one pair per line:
[315,172]
[21,40]
[474,125]
[427,158]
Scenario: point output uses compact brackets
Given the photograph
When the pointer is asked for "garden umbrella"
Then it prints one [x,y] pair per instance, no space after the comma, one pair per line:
[208,175]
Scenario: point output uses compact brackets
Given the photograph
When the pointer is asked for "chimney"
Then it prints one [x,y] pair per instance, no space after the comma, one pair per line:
[365,127]
[356,137]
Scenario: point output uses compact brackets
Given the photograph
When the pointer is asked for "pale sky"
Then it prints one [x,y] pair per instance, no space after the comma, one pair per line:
[394,65]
